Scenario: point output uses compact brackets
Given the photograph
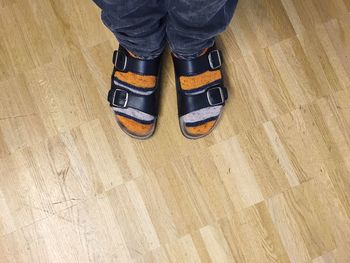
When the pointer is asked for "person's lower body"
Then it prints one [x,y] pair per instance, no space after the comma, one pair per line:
[144,27]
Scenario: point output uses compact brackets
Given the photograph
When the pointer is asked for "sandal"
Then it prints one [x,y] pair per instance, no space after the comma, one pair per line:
[134,93]
[201,93]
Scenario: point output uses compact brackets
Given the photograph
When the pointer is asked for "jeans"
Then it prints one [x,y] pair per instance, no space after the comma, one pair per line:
[145,26]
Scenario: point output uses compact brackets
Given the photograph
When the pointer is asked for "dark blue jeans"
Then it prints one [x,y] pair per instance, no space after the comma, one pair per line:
[145,26]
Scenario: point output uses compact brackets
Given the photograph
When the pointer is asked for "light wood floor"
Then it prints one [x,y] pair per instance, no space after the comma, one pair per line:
[271,184]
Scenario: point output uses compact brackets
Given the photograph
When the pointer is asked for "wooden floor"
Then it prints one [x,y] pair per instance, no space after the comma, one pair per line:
[271,184]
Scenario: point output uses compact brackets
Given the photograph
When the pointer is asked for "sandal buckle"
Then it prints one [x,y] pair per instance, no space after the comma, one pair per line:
[214,58]
[117,62]
[214,95]
[124,103]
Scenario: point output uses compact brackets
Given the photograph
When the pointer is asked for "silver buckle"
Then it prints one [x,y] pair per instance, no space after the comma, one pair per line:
[126,98]
[217,52]
[116,61]
[221,95]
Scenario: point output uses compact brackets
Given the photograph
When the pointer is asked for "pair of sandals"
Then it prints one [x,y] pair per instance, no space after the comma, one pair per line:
[188,102]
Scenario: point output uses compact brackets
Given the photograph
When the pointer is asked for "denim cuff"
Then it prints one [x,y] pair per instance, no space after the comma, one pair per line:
[191,54]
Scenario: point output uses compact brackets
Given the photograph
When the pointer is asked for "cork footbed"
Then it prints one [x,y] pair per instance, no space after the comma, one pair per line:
[146,82]
[134,127]
[200,129]
[195,82]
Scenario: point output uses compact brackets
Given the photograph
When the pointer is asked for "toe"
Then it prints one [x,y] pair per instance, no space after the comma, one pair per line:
[197,130]
[135,128]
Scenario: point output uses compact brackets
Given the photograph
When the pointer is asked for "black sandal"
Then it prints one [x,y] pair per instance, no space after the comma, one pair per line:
[120,96]
[211,95]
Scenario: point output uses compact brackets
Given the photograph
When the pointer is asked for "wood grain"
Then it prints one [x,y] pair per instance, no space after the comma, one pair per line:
[270,184]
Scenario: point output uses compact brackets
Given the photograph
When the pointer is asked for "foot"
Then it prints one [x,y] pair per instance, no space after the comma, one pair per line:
[201,93]
[134,93]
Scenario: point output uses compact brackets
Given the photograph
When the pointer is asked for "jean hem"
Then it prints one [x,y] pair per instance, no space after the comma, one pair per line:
[190,54]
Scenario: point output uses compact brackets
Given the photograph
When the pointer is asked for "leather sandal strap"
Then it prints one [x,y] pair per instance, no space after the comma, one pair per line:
[124,62]
[213,96]
[120,97]
[211,60]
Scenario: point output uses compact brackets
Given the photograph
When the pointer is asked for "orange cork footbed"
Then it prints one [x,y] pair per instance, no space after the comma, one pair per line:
[140,81]
[134,126]
[201,129]
[194,82]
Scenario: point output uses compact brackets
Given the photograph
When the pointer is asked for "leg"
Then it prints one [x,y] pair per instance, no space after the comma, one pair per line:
[137,24]
[194,24]
[191,30]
